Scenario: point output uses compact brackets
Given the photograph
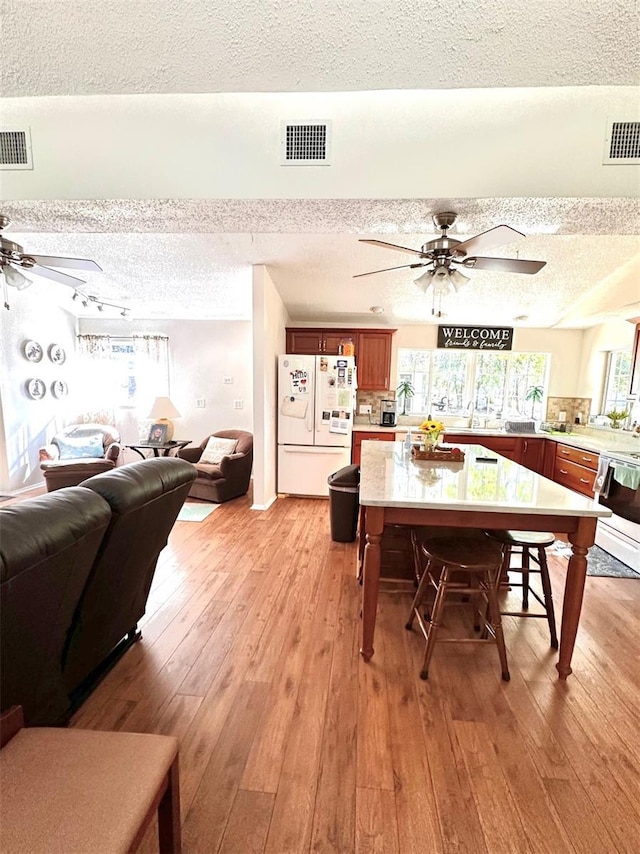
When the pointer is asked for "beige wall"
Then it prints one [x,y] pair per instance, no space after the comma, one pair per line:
[614,335]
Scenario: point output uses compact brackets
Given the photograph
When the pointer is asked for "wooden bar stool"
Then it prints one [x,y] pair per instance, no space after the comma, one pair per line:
[530,546]
[74,791]
[468,565]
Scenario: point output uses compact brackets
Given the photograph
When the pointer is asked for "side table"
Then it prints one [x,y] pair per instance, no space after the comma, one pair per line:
[157,447]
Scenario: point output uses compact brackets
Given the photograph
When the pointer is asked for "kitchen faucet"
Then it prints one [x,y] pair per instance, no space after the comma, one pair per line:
[470,409]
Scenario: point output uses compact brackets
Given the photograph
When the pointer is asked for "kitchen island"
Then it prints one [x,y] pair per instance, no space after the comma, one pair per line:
[485,491]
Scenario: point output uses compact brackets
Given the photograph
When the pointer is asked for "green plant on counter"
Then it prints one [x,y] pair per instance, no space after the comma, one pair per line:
[405,391]
[535,395]
[617,416]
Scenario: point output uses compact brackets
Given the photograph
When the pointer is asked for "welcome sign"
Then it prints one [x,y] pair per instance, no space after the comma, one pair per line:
[475,337]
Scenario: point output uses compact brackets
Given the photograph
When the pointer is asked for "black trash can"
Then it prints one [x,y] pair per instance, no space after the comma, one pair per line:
[344,489]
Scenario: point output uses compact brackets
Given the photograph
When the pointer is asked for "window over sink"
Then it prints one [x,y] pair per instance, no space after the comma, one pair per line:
[480,384]
[617,382]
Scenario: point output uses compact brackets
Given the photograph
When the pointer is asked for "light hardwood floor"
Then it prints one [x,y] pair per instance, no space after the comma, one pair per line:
[290,743]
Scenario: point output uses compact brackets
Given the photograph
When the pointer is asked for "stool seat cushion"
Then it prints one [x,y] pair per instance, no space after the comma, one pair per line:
[79,791]
[536,539]
[463,553]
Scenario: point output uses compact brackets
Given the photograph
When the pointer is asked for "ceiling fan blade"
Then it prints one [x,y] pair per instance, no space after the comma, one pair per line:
[386,269]
[63,278]
[504,265]
[392,246]
[497,236]
[70,263]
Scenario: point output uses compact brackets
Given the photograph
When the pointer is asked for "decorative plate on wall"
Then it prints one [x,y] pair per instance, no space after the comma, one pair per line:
[36,389]
[59,389]
[33,351]
[57,354]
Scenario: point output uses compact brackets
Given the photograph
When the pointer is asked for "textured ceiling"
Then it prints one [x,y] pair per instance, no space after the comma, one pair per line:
[203,269]
[161,46]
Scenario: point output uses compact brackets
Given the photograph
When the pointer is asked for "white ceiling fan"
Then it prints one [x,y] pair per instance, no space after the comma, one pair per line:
[13,259]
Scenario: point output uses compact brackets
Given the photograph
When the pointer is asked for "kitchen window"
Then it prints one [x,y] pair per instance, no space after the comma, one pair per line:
[617,381]
[486,385]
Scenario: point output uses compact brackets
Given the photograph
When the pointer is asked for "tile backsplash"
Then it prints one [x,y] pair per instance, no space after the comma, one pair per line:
[572,407]
[372,399]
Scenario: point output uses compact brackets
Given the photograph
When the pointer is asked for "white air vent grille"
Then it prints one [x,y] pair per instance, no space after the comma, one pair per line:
[305,143]
[622,143]
[15,149]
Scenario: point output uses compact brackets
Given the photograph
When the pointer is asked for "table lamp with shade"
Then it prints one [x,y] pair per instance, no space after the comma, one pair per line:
[161,413]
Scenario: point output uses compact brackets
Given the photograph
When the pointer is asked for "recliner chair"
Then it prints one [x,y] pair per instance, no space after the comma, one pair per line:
[227,479]
[65,461]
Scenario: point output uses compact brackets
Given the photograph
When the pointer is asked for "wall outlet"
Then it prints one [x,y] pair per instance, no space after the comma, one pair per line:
[227,380]
[364,409]
[238,404]
[200,402]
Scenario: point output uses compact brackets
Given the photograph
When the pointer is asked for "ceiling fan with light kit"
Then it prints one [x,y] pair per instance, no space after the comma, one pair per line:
[13,260]
[443,255]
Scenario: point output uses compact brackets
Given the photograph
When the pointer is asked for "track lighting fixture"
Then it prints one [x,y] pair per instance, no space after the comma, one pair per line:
[100,304]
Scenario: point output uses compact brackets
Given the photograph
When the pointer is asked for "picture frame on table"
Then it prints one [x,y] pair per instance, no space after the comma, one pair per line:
[157,434]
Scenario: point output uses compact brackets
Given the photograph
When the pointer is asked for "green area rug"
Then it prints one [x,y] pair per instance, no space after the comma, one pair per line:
[196,512]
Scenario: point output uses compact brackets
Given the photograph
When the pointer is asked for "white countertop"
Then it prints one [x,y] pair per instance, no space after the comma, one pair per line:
[597,444]
[391,478]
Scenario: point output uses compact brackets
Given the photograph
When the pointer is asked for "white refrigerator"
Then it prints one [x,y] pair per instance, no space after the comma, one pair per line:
[316,403]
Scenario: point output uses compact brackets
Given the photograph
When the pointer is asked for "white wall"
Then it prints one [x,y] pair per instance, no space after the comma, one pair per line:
[269,321]
[28,424]
[202,352]
[598,341]
[393,144]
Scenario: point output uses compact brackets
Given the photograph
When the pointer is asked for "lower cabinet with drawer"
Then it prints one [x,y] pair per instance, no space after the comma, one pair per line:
[359,438]
[575,468]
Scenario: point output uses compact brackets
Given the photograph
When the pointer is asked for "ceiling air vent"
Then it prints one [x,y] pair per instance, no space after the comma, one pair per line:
[305,143]
[622,144]
[15,149]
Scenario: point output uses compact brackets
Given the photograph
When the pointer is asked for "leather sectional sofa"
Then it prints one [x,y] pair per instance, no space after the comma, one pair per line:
[76,566]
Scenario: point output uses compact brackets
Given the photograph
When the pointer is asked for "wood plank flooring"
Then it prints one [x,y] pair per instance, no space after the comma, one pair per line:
[290,743]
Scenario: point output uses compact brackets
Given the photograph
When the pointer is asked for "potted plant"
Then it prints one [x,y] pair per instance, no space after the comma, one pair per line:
[535,394]
[617,416]
[405,391]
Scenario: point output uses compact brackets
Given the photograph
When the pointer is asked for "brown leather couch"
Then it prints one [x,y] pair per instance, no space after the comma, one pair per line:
[47,548]
[76,566]
[225,480]
[60,471]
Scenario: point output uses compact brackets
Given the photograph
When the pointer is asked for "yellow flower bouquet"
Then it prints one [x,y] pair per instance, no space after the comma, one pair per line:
[432,431]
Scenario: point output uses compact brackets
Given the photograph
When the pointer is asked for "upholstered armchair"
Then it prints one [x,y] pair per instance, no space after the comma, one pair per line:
[78,452]
[228,476]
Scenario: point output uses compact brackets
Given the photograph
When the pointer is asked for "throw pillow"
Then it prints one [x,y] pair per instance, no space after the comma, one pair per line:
[216,449]
[85,446]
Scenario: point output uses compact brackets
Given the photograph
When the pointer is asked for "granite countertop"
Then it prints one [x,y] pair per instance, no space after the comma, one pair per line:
[621,445]
[389,477]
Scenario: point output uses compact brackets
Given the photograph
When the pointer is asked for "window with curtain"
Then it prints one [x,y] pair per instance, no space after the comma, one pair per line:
[454,382]
[118,373]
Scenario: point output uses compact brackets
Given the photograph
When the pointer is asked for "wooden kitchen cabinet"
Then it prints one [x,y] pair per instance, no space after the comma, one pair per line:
[373,359]
[359,438]
[575,468]
[316,342]
[532,454]
[529,452]
[372,351]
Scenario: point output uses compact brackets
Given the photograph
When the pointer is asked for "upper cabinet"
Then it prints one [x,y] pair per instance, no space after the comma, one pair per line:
[315,342]
[372,351]
[635,363]
[373,358]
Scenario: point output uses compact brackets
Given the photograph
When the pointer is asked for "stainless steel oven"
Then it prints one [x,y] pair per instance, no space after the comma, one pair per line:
[618,488]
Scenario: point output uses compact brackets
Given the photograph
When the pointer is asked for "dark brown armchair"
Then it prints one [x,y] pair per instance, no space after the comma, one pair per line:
[227,479]
[78,452]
